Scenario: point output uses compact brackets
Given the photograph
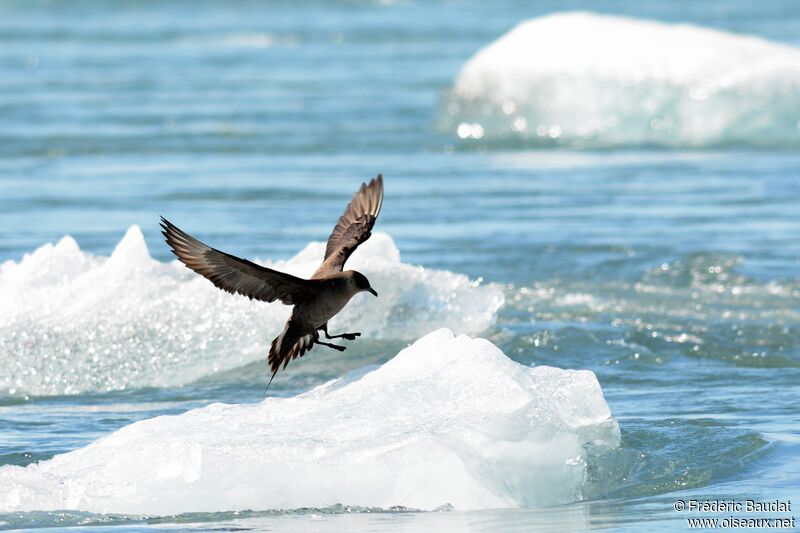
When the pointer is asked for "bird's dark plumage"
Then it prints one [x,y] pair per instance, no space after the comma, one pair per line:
[289,345]
[354,226]
[315,300]
[233,274]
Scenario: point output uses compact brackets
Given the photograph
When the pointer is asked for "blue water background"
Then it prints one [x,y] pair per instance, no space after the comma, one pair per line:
[251,123]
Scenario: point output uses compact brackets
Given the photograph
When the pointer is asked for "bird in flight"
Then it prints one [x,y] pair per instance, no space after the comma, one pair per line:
[315,300]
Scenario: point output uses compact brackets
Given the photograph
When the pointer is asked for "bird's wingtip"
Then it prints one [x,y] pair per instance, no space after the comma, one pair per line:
[377,180]
[167,229]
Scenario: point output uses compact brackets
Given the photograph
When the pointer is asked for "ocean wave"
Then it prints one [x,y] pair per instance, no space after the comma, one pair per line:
[448,422]
[240,40]
[701,306]
[72,322]
[593,81]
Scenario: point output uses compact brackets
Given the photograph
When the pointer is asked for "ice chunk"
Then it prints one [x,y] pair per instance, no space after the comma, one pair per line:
[583,79]
[449,420]
[72,322]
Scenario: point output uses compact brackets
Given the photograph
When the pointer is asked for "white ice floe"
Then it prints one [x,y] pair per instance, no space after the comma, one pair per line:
[449,420]
[593,80]
[72,322]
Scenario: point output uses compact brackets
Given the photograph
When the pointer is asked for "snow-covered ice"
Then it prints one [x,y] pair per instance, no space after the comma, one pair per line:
[596,80]
[72,322]
[449,420]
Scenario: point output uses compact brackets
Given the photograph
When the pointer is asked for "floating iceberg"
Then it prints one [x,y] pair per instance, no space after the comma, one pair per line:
[587,80]
[449,420]
[72,322]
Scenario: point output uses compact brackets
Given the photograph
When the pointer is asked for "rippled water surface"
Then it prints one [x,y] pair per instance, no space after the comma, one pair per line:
[672,274]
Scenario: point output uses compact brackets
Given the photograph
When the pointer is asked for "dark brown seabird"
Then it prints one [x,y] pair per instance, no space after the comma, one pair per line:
[315,300]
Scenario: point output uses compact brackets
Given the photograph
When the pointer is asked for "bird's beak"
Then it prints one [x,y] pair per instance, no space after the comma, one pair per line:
[373,292]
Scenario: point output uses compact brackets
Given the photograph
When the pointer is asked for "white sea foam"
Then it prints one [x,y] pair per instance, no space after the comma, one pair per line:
[72,322]
[449,420]
[589,80]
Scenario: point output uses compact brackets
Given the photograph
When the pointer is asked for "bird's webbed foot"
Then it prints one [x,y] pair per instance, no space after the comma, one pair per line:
[330,345]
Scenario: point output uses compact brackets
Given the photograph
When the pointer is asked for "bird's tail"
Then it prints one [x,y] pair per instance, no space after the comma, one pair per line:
[290,344]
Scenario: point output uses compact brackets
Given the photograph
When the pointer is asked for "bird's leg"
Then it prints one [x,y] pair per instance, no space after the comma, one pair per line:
[348,336]
[329,345]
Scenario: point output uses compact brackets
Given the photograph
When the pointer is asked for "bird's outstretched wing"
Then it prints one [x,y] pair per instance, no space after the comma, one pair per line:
[354,226]
[235,275]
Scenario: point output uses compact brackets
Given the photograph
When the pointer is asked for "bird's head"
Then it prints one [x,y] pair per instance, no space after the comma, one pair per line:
[362,283]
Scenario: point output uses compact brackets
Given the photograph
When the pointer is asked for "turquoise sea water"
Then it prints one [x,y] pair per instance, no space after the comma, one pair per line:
[672,273]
